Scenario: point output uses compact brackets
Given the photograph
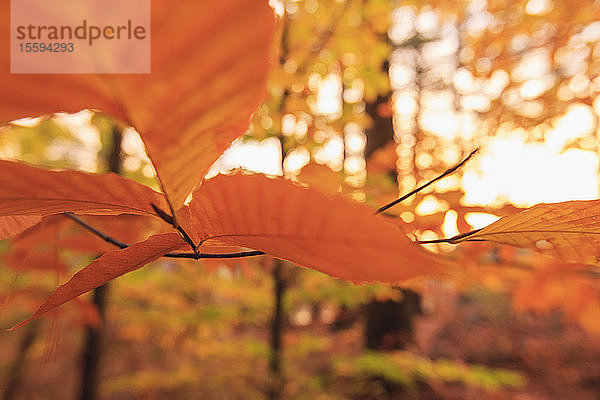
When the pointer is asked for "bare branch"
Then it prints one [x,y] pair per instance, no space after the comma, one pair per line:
[96,231]
[197,256]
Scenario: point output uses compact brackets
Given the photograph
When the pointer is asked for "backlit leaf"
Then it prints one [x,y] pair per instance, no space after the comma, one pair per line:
[108,267]
[568,230]
[13,225]
[26,190]
[208,71]
[321,178]
[37,247]
[330,234]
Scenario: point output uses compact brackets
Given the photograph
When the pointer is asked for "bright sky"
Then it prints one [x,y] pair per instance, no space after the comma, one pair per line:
[525,173]
[508,168]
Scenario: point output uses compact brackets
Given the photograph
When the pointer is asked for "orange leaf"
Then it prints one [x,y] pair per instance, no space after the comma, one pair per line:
[209,67]
[26,190]
[568,230]
[108,267]
[13,225]
[330,234]
[589,317]
[321,178]
[383,159]
[37,247]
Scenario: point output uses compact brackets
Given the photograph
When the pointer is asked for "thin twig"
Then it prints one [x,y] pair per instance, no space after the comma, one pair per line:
[443,175]
[193,256]
[454,239]
[96,231]
[197,256]
[460,236]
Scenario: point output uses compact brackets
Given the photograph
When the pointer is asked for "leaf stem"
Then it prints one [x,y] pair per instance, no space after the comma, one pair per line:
[171,221]
[443,175]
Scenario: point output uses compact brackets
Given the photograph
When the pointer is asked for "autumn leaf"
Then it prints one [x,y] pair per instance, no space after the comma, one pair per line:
[569,230]
[31,191]
[330,234]
[108,267]
[30,260]
[36,247]
[383,159]
[13,225]
[565,286]
[209,67]
[321,178]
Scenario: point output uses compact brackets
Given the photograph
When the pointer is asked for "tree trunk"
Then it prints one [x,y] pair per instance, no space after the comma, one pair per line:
[381,131]
[94,337]
[15,370]
[389,323]
[279,287]
[93,346]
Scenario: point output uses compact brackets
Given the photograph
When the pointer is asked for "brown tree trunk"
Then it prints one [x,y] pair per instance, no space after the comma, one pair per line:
[15,370]
[381,131]
[389,323]
[93,346]
[95,336]
[277,322]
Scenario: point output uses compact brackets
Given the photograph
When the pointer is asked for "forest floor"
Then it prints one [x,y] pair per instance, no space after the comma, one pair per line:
[556,358]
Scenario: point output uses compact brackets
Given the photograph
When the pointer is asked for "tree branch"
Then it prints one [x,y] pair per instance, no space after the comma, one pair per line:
[197,256]
[194,256]
[96,231]
[443,175]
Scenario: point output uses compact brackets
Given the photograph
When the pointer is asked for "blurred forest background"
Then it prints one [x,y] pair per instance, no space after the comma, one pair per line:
[369,98]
